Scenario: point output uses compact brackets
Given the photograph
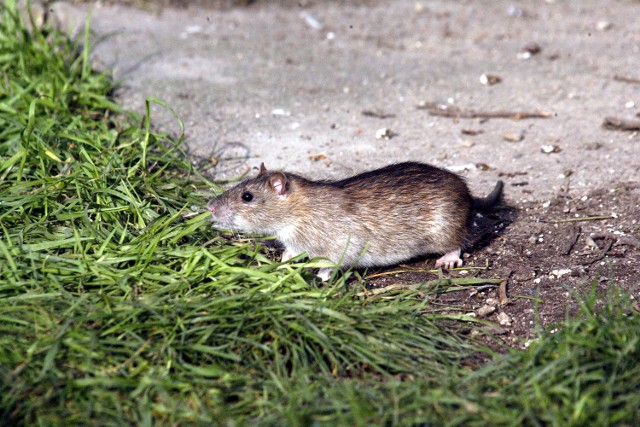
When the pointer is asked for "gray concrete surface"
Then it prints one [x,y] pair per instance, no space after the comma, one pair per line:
[288,85]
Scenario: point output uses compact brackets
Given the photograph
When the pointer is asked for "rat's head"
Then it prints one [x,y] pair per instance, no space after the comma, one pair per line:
[257,205]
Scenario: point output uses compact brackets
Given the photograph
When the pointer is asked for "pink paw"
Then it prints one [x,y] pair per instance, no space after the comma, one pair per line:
[450,260]
[287,255]
[324,274]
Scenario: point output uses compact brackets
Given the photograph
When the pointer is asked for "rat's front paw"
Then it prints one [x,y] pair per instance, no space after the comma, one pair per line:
[287,255]
[450,260]
[325,273]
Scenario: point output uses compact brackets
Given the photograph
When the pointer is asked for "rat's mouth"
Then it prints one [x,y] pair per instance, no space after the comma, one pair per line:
[221,221]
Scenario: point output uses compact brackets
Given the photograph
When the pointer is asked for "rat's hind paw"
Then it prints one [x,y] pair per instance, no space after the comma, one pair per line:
[450,260]
[324,274]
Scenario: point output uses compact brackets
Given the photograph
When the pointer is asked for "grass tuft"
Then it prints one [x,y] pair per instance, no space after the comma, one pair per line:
[120,305]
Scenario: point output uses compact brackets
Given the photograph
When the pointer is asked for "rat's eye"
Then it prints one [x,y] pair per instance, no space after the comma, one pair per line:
[247,196]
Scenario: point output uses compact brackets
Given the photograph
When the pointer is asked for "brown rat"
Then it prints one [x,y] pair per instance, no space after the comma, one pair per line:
[376,218]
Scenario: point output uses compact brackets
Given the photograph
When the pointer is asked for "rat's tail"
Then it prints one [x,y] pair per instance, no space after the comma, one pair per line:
[485,203]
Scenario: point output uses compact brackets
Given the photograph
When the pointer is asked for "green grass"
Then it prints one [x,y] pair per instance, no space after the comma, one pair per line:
[120,305]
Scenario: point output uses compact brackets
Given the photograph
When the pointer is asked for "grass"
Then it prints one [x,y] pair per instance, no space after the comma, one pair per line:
[120,305]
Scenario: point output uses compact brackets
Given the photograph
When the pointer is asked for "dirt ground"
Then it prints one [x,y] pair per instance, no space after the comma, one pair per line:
[549,254]
[544,95]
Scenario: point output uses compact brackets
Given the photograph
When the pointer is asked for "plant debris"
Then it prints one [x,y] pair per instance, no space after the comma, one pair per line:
[377,114]
[613,123]
[454,112]
[626,79]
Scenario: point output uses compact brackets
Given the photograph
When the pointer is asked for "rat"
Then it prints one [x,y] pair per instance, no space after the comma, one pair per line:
[373,219]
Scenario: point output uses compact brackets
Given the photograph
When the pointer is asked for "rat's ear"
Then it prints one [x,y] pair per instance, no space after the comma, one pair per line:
[263,170]
[278,182]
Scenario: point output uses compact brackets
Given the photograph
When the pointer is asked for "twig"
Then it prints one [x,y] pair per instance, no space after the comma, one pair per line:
[579,219]
[573,238]
[387,273]
[618,239]
[409,269]
[626,79]
[377,114]
[471,131]
[614,123]
[377,291]
[460,281]
[502,290]
[473,114]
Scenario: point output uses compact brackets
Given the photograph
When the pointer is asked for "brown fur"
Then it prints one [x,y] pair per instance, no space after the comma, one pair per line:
[377,218]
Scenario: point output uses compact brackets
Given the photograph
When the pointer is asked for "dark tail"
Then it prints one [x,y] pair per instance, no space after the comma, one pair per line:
[486,203]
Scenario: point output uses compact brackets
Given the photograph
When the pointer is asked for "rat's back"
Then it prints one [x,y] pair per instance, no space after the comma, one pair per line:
[391,214]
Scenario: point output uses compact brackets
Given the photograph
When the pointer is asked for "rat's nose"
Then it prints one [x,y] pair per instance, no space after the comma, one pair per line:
[212,209]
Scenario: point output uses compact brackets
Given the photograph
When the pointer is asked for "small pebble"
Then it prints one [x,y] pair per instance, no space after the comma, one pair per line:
[486,310]
[280,112]
[548,149]
[193,29]
[490,79]
[513,137]
[384,133]
[532,48]
[467,143]
[591,243]
[529,50]
[560,273]
[504,319]
[515,11]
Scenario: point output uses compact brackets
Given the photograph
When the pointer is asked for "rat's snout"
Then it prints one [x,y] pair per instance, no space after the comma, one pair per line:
[215,209]
[220,215]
